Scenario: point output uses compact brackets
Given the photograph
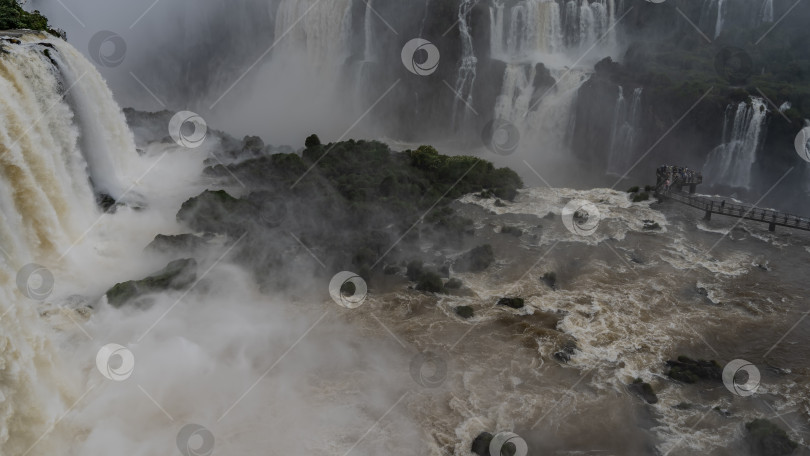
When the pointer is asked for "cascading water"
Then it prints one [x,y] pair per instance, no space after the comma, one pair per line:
[766,12]
[466,72]
[320,29]
[730,163]
[59,128]
[531,32]
[623,134]
[541,26]
[712,14]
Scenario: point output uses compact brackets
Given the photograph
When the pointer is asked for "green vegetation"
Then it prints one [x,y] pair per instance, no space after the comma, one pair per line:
[644,390]
[688,370]
[176,275]
[13,16]
[643,196]
[431,282]
[633,189]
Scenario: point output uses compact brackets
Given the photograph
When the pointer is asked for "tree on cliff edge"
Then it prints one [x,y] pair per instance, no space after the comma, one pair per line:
[13,16]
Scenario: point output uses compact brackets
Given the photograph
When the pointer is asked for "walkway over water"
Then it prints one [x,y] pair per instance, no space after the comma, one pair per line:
[711,206]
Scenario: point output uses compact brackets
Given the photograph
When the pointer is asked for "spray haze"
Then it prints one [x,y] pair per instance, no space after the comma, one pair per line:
[168,286]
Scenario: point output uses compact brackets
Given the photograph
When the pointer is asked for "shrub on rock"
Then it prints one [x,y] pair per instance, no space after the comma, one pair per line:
[430,281]
[644,390]
[177,275]
[688,370]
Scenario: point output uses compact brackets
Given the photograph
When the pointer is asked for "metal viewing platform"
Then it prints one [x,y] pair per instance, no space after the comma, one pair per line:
[673,188]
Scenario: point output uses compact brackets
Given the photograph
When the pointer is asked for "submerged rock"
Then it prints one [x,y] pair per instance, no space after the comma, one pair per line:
[464,311]
[767,439]
[567,349]
[688,370]
[476,260]
[644,390]
[177,275]
[550,279]
[515,303]
[480,445]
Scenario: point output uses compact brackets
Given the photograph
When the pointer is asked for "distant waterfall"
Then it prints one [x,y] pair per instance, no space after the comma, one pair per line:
[368,29]
[467,70]
[730,163]
[766,13]
[516,93]
[712,14]
[541,26]
[623,134]
[320,29]
[59,128]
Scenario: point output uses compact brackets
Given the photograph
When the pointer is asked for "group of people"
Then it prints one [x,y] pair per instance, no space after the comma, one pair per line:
[668,175]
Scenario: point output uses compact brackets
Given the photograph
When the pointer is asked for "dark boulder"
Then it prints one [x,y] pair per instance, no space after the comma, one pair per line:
[453,284]
[480,445]
[177,275]
[431,282]
[767,439]
[476,260]
[515,303]
[644,390]
[567,349]
[688,370]
[550,279]
[464,311]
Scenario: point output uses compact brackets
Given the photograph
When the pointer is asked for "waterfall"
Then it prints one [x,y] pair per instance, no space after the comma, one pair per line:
[531,27]
[59,128]
[319,29]
[719,24]
[467,69]
[730,163]
[624,132]
[368,53]
[712,15]
[516,93]
[766,12]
